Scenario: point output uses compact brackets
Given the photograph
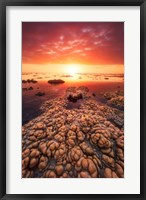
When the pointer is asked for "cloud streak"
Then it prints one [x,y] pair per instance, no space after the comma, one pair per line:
[75,42]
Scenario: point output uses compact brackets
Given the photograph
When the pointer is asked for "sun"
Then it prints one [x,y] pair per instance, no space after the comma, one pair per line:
[72,69]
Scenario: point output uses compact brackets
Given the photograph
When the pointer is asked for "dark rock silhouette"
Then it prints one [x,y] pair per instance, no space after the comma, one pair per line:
[40,94]
[56,81]
[29,81]
[74,97]
[75,93]
[26,89]
[30,88]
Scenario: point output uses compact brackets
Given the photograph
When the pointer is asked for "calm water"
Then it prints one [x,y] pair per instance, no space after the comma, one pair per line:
[96,84]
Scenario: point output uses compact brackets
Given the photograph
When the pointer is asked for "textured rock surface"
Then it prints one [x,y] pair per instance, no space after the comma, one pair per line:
[73,93]
[115,99]
[74,143]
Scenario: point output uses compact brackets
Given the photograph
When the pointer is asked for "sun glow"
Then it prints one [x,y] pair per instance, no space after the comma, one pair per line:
[72,69]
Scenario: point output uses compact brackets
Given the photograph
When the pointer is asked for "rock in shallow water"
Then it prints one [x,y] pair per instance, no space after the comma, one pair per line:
[73,94]
[56,81]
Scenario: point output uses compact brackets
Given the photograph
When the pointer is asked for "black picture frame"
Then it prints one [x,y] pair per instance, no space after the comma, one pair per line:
[3,124]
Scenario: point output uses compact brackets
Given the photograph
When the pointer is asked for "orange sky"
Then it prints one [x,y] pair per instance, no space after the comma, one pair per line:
[90,46]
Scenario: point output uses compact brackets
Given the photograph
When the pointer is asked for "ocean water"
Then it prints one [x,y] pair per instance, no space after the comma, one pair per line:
[96,83]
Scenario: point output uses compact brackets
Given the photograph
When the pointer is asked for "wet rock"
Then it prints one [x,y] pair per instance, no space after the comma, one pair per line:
[24,81]
[119,171]
[75,154]
[84,175]
[40,94]
[86,148]
[104,143]
[86,168]
[27,173]
[108,173]
[32,138]
[108,160]
[73,127]
[115,119]
[43,148]
[25,153]
[49,174]
[29,81]
[35,144]
[120,163]
[71,138]
[69,119]
[25,162]
[59,170]
[68,167]
[60,153]
[120,153]
[73,94]
[74,97]
[52,145]
[33,162]
[34,153]
[95,138]
[40,126]
[120,142]
[43,163]
[24,89]
[117,102]
[80,136]
[30,88]
[60,137]
[110,95]
[56,81]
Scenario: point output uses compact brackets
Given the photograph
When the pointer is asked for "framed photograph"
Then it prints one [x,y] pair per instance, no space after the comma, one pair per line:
[72,99]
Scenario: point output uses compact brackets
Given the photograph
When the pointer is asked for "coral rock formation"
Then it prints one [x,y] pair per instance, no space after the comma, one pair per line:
[74,143]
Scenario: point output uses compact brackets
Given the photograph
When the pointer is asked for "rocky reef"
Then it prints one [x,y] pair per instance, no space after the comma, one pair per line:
[84,142]
[27,89]
[56,81]
[40,94]
[115,99]
[29,81]
[75,93]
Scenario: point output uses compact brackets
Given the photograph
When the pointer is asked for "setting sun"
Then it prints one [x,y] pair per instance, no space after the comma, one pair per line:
[72,69]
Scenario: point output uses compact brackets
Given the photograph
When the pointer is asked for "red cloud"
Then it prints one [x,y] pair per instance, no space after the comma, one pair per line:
[77,42]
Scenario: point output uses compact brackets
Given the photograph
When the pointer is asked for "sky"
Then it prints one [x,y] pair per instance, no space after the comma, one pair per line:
[84,46]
